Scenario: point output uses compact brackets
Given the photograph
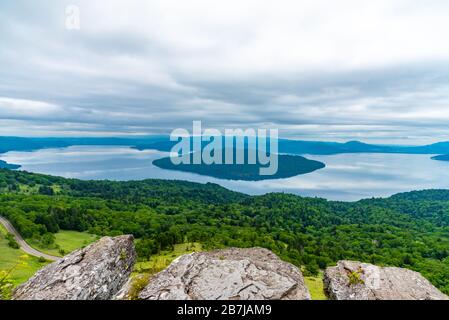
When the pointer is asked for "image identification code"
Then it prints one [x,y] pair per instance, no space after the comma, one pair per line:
[226,309]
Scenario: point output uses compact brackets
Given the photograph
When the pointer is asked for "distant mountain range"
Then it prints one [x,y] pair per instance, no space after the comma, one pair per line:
[323,148]
[162,143]
[300,147]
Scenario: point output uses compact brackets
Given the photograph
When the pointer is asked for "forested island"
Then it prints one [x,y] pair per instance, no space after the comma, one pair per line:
[406,230]
[288,166]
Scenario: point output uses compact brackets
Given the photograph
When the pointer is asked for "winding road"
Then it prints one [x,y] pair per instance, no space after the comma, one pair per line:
[22,243]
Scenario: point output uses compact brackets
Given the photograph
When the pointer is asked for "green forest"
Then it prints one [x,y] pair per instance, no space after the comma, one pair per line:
[406,230]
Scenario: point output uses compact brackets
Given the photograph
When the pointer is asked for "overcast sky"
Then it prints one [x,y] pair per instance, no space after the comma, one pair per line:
[376,71]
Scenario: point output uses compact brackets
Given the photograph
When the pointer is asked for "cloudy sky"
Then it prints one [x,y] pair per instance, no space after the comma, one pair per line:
[376,71]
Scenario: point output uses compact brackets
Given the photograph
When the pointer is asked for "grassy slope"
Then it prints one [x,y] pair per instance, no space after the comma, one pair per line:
[9,257]
[316,288]
[143,270]
[68,241]
[160,261]
[12,257]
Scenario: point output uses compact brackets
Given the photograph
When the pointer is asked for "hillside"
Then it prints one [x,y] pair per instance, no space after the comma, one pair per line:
[409,230]
[163,143]
[5,165]
[301,147]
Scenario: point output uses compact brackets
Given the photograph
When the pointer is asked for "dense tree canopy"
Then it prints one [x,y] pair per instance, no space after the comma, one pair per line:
[407,230]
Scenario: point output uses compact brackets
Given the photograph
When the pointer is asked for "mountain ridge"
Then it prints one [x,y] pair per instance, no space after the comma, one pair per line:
[163,143]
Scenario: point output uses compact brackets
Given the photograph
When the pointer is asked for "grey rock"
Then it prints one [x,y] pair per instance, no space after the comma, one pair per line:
[352,280]
[229,274]
[124,292]
[96,272]
[132,287]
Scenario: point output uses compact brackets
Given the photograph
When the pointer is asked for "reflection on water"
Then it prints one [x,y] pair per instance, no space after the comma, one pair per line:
[346,176]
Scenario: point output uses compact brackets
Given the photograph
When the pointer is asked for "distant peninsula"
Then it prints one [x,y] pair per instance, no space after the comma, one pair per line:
[6,165]
[444,157]
[289,166]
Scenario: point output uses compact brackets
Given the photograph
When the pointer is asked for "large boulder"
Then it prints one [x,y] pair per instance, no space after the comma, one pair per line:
[233,274]
[352,280]
[96,272]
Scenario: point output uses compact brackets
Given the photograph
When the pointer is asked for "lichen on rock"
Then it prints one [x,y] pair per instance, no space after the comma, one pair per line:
[228,274]
[353,280]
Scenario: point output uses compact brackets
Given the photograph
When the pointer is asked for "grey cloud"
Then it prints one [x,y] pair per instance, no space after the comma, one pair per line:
[125,79]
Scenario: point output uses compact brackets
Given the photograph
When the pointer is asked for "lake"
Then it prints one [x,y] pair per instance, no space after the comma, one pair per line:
[346,177]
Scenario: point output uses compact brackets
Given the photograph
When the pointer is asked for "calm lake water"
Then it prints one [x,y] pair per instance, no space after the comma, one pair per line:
[346,176]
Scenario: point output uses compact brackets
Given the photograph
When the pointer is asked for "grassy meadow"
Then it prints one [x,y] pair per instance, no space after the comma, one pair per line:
[65,242]
[160,261]
[316,288]
[22,266]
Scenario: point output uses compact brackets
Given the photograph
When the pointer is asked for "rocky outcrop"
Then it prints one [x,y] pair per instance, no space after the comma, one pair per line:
[351,280]
[96,272]
[102,271]
[244,274]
